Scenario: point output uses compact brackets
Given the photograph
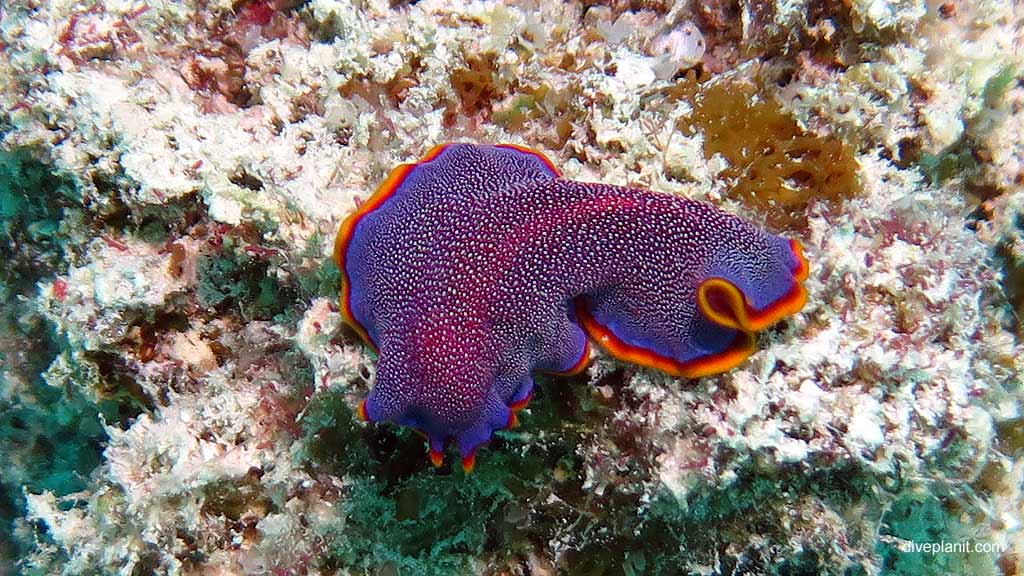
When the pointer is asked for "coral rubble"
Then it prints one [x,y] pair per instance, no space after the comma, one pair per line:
[176,386]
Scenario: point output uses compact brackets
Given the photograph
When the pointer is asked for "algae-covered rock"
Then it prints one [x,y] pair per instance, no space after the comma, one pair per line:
[178,390]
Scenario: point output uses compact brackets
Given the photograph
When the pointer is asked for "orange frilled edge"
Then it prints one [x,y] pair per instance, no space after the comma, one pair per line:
[733,356]
[737,314]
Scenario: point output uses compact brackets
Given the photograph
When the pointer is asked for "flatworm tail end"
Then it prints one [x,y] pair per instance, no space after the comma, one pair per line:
[724,303]
[348,227]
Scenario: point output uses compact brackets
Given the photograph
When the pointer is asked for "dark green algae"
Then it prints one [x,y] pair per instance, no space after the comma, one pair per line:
[402,516]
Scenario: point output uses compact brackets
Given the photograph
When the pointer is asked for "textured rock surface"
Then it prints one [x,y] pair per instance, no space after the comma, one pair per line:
[176,389]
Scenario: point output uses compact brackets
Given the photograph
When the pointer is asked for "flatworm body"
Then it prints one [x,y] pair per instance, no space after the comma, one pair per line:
[479,266]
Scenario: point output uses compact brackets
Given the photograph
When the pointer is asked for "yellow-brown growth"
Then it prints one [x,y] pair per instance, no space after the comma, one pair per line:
[540,103]
[777,167]
[476,84]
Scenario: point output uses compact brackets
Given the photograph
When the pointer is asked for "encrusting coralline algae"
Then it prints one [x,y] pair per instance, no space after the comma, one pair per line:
[177,388]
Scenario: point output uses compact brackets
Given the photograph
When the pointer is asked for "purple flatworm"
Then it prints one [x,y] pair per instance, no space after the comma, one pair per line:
[479,266]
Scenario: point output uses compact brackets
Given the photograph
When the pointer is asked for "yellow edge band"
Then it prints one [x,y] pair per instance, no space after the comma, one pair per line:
[804,270]
[743,317]
[578,367]
[538,154]
[713,364]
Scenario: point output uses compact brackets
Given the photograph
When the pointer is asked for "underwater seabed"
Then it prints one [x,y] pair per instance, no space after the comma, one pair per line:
[178,389]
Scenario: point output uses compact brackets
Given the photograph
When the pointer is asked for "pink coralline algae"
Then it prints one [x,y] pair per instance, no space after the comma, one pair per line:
[479,265]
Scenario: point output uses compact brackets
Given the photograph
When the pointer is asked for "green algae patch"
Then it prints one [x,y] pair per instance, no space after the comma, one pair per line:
[32,203]
[926,538]
[964,158]
[31,196]
[51,433]
[403,514]
[669,533]
[233,278]
[333,437]
[955,160]
[51,437]
[998,85]
[322,276]
[235,272]
[423,525]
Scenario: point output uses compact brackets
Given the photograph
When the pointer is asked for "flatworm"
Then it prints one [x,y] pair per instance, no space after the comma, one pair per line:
[479,266]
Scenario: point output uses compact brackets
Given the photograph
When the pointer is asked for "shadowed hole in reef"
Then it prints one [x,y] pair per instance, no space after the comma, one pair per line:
[122,398]
[1013,282]
[10,507]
